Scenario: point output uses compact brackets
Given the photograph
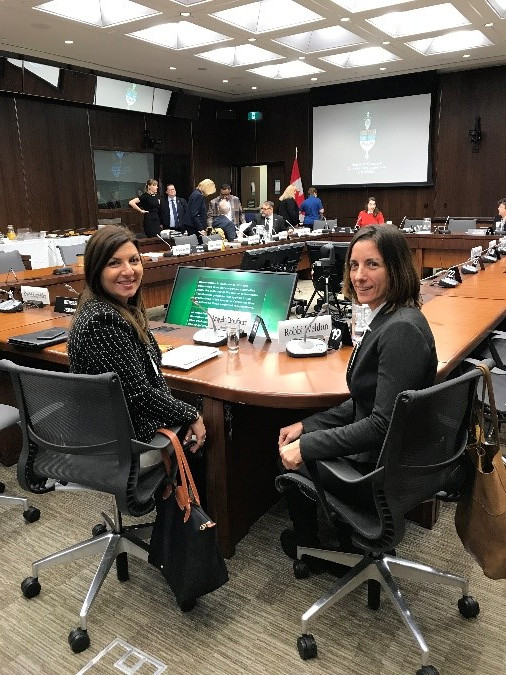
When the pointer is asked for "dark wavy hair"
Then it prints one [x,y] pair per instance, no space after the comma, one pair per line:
[403,279]
[376,210]
[99,250]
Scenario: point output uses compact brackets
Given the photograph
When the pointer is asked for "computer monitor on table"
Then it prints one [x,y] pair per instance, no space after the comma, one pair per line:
[268,294]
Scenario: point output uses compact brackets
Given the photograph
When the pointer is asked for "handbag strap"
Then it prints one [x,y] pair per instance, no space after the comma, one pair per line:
[488,387]
[182,492]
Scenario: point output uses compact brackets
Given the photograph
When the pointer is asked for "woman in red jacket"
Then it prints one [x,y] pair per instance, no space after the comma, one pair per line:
[371,215]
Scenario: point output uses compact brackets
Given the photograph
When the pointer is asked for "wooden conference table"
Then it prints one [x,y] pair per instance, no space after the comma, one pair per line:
[429,251]
[248,396]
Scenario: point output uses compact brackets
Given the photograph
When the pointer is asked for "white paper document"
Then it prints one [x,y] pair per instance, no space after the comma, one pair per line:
[188,356]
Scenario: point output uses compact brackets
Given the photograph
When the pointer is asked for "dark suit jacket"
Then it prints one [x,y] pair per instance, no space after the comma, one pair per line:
[398,353]
[182,213]
[227,226]
[278,224]
[198,213]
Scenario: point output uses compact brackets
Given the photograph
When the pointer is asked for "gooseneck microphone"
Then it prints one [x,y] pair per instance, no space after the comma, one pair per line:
[402,223]
[168,253]
[213,337]
[71,289]
[11,271]
[299,348]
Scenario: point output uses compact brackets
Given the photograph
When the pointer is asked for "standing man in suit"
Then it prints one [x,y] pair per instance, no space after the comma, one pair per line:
[175,214]
[235,212]
[271,221]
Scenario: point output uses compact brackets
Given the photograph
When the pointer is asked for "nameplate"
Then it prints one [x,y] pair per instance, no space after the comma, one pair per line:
[35,294]
[317,232]
[282,235]
[293,330]
[303,231]
[182,249]
[254,239]
[229,317]
[64,305]
[214,245]
[476,251]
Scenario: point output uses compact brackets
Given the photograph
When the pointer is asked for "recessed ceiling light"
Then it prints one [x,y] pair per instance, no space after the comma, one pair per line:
[281,71]
[224,81]
[421,20]
[314,79]
[253,87]
[101,13]
[172,68]
[252,39]
[302,58]
[451,42]
[369,56]
[345,19]
[185,14]
[466,56]
[489,25]
[179,35]
[69,42]
[386,42]
[322,39]
[267,15]
[383,68]
[242,55]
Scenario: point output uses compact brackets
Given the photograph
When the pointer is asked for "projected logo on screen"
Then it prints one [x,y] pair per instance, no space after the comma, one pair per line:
[131,95]
[367,136]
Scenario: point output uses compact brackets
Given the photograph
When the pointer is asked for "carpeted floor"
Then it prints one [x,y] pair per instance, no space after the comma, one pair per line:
[248,626]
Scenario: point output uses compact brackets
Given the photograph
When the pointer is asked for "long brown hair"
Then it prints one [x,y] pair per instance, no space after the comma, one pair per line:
[376,210]
[403,280]
[99,250]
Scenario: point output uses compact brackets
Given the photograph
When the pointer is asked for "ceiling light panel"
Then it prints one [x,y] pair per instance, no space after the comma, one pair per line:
[370,56]
[354,6]
[190,3]
[242,55]
[421,20]
[267,15]
[101,13]
[180,35]
[310,42]
[499,7]
[451,42]
[282,71]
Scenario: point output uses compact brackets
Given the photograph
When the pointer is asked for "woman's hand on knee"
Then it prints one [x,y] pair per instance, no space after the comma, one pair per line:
[290,433]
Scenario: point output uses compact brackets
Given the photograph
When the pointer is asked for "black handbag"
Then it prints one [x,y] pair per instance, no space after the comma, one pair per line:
[183,542]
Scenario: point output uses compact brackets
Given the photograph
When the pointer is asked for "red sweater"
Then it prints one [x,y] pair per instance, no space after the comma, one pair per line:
[365,218]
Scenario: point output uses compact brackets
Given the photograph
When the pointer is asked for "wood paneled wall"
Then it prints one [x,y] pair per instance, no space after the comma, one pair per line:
[46,163]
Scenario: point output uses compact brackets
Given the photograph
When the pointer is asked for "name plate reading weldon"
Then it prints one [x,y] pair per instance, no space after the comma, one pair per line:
[283,235]
[35,294]
[254,239]
[214,244]
[224,318]
[182,249]
[298,329]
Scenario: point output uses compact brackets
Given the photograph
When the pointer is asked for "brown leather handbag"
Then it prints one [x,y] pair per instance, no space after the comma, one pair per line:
[480,518]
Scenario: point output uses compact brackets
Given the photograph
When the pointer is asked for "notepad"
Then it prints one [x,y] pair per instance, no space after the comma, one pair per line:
[188,356]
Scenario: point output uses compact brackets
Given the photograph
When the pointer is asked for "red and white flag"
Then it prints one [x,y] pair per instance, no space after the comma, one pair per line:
[295,179]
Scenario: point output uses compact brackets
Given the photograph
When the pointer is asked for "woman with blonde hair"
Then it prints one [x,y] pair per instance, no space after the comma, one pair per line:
[198,209]
[287,207]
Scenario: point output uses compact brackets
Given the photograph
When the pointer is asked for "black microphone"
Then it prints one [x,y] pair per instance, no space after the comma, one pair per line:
[299,348]
[402,222]
[206,336]
[11,271]
[168,253]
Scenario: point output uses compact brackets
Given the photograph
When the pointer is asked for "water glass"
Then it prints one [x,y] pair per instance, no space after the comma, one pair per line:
[233,339]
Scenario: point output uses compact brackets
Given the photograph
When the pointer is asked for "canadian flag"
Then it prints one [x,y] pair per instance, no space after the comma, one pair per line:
[295,179]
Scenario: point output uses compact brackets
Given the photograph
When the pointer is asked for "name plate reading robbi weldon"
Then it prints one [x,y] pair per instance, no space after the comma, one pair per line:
[214,244]
[293,330]
[182,249]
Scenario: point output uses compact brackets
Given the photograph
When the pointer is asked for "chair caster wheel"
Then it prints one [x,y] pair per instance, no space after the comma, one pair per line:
[2,487]
[300,569]
[98,529]
[188,605]
[79,640]
[468,607]
[373,594]
[122,566]
[31,514]
[427,670]
[30,587]
[306,644]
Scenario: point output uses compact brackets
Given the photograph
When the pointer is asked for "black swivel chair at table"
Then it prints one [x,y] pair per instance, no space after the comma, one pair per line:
[77,431]
[69,253]
[11,260]
[422,456]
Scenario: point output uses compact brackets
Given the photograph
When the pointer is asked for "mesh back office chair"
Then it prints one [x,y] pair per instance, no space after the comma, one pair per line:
[77,430]
[69,253]
[456,225]
[11,260]
[422,456]
[8,417]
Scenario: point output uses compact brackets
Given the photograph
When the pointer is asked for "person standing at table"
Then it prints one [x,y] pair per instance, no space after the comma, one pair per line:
[149,205]
[197,207]
[175,214]
[370,215]
[287,207]
[397,352]
[500,219]
[311,207]
[234,211]
[110,333]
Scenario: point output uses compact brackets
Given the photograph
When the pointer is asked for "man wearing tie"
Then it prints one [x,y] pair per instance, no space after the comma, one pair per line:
[271,221]
[175,214]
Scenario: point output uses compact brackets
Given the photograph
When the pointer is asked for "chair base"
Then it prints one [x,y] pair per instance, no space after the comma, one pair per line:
[30,513]
[382,569]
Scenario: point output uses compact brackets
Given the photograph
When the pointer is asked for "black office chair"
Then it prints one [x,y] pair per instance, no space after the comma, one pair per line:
[77,430]
[11,260]
[461,225]
[413,224]
[8,417]
[422,456]
[69,253]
